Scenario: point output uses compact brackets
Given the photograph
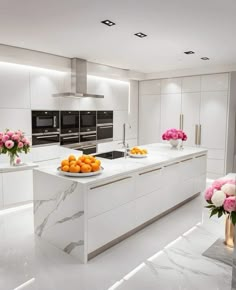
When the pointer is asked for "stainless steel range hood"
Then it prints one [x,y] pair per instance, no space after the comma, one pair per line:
[78,81]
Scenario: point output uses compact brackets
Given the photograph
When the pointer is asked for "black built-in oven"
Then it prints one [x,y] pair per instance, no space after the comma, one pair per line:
[45,139]
[88,121]
[45,127]
[45,122]
[69,122]
[105,125]
[70,140]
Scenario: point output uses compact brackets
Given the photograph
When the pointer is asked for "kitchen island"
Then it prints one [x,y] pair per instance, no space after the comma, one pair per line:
[86,215]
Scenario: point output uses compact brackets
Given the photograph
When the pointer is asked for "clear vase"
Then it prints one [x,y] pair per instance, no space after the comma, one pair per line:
[12,159]
[174,143]
[229,232]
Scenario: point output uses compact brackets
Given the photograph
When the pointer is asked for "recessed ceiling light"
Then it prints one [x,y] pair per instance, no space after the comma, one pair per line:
[140,34]
[108,22]
[205,58]
[189,52]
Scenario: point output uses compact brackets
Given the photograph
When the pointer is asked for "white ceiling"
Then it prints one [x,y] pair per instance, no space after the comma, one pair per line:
[72,28]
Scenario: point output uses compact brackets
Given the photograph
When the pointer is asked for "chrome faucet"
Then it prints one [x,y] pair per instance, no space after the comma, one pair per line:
[125,145]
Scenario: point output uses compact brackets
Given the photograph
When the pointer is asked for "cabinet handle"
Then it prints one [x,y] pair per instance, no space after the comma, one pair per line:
[153,170]
[111,182]
[105,127]
[182,126]
[171,164]
[186,160]
[180,121]
[68,138]
[196,134]
[200,135]
[89,136]
[199,156]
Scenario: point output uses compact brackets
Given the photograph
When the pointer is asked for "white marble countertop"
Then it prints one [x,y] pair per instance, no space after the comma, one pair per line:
[158,154]
[25,166]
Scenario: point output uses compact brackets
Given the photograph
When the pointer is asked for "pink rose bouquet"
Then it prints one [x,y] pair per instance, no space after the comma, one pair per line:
[174,134]
[221,198]
[13,142]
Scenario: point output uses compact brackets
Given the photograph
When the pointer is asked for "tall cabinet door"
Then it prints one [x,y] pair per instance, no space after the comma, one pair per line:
[149,119]
[191,115]
[170,111]
[213,119]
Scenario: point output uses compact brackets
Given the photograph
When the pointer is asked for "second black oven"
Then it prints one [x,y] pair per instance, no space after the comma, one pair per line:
[69,122]
[88,121]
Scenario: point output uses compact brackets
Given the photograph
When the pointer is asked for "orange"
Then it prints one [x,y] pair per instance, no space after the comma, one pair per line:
[64,162]
[71,158]
[65,168]
[82,158]
[73,162]
[145,151]
[88,161]
[75,168]
[92,159]
[79,162]
[95,166]
[86,168]
[98,162]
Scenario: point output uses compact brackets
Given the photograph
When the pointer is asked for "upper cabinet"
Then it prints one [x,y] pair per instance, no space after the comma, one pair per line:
[14,87]
[215,82]
[191,84]
[152,87]
[42,86]
[171,86]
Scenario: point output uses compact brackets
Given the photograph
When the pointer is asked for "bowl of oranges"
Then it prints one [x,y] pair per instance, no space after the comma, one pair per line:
[137,152]
[85,165]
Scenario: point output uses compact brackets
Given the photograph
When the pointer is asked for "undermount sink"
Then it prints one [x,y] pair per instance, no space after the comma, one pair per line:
[111,155]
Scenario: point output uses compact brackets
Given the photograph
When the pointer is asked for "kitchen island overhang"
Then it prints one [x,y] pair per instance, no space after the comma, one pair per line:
[85,216]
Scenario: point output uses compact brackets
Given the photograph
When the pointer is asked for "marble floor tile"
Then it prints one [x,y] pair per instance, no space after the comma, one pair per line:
[165,255]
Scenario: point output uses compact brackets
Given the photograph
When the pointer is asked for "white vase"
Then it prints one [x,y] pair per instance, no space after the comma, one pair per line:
[174,143]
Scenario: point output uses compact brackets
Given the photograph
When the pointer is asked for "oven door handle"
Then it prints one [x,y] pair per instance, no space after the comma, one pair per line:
[67,138]
[54,121]
[105,127]
[46,136]
[84,136]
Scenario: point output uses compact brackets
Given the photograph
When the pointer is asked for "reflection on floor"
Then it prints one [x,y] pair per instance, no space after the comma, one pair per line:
[165,255]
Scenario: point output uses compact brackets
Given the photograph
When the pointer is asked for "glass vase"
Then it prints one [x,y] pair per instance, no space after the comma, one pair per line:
[229,232]
[12,159]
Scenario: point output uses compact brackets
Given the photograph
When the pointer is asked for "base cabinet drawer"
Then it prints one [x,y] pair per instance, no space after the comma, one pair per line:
[17,187]
[104,228]
[148,207]
[148,181]
[109,195]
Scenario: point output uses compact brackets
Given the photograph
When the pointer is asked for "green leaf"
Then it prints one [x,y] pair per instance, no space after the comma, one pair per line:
[208,201]
[214,211]
[233,217]
[220,213]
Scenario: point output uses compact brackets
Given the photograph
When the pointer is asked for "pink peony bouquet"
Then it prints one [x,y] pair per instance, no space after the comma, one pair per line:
[221,197]
[13,142]
[174,134]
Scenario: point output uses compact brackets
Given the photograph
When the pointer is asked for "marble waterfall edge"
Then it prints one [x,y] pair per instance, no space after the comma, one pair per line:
[58,210]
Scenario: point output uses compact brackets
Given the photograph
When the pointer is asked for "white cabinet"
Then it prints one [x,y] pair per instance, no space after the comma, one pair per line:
[42,86]
[15,87]
[152,87]
[170,111]
[1,192]
[191,114]
[185,103]
[111,194]
[106,227]
[17,187]
[149,119]
[191,84]
[171,86]
[213,119]
[215,82]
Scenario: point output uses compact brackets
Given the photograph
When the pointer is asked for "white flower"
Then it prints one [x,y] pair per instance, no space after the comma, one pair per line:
[218,198]
[229,189]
